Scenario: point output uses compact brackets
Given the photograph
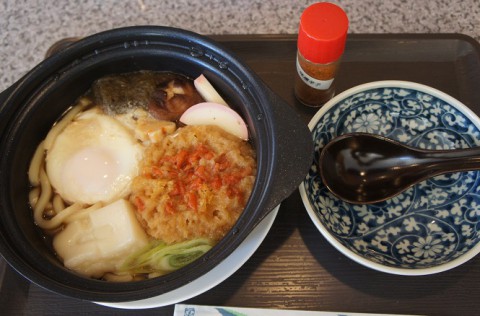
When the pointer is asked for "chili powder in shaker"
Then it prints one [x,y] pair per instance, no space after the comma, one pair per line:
[321,41]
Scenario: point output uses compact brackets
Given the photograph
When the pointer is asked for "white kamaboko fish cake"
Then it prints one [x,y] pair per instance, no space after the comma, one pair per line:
[94,159]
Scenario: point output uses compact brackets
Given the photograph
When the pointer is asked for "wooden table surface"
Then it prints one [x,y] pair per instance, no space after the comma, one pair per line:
[295,267]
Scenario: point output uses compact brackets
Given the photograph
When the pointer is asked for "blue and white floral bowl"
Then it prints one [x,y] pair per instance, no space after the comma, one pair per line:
[432,227]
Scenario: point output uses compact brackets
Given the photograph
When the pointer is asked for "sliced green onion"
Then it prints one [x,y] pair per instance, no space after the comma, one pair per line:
[161,258]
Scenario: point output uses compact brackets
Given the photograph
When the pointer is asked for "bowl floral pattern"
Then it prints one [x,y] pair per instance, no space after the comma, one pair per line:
[426,227]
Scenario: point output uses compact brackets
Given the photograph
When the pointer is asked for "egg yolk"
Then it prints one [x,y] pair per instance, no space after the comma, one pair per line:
[94,171]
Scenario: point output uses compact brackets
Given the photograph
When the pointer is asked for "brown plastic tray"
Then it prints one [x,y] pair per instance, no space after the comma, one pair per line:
[295,267]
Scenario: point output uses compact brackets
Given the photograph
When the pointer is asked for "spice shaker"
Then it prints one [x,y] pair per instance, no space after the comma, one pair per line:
[321,41]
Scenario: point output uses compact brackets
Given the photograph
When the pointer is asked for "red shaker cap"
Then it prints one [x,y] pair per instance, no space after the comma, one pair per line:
[322,32]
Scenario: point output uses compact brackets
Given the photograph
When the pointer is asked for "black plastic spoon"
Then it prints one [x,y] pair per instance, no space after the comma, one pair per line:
[364,168]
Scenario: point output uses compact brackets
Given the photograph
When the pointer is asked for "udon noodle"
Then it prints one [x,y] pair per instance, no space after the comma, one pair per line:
[41,195]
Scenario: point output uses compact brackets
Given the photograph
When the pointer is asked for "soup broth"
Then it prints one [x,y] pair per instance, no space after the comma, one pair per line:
[126,191]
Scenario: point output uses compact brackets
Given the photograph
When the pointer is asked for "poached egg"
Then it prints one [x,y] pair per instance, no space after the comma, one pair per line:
[94,159]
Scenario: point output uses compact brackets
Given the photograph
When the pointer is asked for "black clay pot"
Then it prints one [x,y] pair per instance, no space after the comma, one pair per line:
[30,107]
